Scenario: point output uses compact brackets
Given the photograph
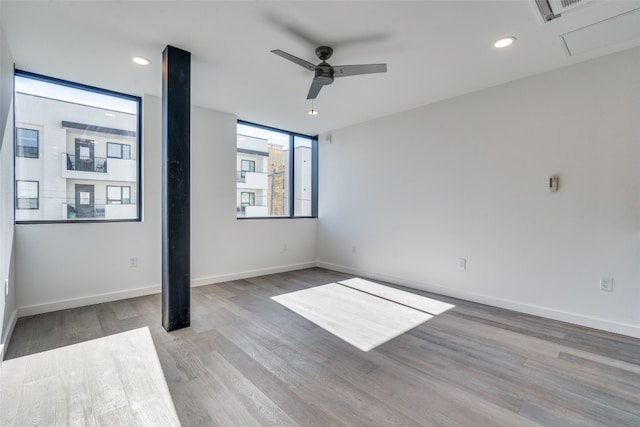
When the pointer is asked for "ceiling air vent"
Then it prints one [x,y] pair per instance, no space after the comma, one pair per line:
[552,9]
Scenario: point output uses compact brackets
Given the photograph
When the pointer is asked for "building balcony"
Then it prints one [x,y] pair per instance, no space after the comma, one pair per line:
[98,168]
[100,211]
[253,180]
[252,211]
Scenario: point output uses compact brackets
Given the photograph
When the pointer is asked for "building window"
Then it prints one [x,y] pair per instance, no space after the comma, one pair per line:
[118,195]
[247,166]
[247,199]
[27,195]
[284,173]
[118,151]
[87,144]
[27,143]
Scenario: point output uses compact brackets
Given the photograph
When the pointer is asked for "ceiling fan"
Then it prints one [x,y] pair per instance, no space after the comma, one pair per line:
[325,73]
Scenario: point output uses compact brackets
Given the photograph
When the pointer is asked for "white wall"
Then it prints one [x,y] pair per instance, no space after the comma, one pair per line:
[403,197]
[64,265]
[7,260]
[224,247]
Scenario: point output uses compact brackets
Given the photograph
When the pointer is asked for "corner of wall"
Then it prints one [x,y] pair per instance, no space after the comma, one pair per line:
[8,312]
[6,336]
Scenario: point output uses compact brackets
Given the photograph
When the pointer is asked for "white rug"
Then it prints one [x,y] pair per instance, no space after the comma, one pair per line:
[116,380]
[418,302]
[363,320]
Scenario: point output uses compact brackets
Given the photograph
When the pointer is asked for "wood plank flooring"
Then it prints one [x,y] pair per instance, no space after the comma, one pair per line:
[361,319]
[116,380]
[248,361]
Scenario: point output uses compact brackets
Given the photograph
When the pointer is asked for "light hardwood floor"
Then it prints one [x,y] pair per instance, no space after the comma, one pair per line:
[248,361]
[114,381]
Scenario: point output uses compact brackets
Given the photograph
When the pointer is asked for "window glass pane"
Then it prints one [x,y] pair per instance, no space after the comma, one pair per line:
[114,194]
[27,204]
[85,198]
[126,194]
[27,143]
[265,152]
[74,141]
[114,150]
[248,165]
[302,197]
[27,137]
[27,195]
[27,189]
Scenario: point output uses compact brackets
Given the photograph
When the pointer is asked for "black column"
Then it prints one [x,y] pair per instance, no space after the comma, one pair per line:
[176,122]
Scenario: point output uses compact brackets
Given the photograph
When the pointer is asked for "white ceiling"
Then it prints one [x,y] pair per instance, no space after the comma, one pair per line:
[434,50]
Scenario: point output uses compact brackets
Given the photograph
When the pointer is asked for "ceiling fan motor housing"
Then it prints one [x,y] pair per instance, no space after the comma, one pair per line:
[324,74]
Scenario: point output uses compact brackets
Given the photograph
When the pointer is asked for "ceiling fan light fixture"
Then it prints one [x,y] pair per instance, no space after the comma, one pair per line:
[503,42]
[312,112]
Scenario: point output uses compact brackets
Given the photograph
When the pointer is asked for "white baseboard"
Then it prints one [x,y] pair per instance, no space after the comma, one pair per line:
[88,300]
[578,319]
[7,336]
[149,290]
[250,273]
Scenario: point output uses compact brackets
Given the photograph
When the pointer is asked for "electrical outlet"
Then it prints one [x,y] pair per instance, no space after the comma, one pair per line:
[133,262]
[462,263]
[6,287]
[606,284]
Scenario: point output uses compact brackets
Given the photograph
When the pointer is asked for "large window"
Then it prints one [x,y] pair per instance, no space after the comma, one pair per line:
[27,195]
[80,147]
[27,143]
[276,173]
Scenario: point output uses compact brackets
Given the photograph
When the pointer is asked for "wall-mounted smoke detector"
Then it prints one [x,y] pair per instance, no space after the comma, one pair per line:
[552,9]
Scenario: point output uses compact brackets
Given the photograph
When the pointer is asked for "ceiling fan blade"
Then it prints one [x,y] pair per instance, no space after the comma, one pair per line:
[301,62]
[354,70]
[297,30]
[360,40]
[314,90]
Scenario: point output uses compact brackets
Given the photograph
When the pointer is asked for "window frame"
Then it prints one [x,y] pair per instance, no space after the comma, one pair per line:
[252,167]
[121,150]
[18,129]
[291,192]
[121,187]
[139,146]
[37,198]
[252,198]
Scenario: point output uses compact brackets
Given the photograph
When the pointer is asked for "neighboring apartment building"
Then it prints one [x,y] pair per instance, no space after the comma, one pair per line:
[252,166]
[74,161]
[263,177]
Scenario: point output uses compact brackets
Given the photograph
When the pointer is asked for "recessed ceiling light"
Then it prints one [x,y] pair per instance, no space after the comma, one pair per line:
[109,114]
[504,42]
[140,60]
